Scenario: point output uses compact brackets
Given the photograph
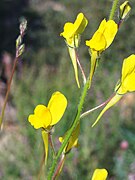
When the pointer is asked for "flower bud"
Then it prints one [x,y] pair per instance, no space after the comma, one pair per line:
[124,10]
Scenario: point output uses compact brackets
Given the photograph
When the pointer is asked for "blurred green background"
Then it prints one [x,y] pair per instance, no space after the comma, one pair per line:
[45,68]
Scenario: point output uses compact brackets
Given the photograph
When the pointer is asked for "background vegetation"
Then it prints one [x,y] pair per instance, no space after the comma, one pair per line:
[45,68]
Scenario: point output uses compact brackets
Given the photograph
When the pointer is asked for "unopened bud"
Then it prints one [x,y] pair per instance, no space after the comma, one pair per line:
[18,41]
[23,26]
[21,50]
[124,10]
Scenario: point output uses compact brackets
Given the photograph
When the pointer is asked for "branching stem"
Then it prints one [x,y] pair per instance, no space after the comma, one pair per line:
[75,122]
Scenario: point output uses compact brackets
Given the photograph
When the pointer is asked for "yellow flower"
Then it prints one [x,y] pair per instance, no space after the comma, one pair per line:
[72,33]
[100,41]
[100,174]
[124,10]
[104,36]
[72,30]
[127,84]
[46,117]
[73,141]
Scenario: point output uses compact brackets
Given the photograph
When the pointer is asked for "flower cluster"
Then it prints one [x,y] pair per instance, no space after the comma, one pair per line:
[45,117]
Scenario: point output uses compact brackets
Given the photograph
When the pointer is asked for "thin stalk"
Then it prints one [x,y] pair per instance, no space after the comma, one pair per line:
[76,120]
[95,108]
[51,143]
[80,66]
[113,9]
[19,51]
[8,90]
[59,168]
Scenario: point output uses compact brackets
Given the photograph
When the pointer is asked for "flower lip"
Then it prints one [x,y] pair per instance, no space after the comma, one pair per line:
[41,117]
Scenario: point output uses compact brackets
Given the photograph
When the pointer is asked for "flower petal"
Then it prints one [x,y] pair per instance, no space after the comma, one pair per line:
[102,26]
[110,32]
[128,75]
[104,36]
[128,66]
[57,106]
[68,29]
[98,42]
[73,30]
[100,174]
[129,82]
[80,24]
[41,117]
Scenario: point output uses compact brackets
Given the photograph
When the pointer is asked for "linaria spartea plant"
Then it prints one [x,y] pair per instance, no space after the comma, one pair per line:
[46,117]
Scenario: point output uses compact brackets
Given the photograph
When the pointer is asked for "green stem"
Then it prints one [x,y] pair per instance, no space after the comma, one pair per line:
[113,9]
[77,118]
[8,90]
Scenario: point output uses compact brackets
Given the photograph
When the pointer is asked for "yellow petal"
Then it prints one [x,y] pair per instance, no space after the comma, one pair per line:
[124,9]
[128,85]
[98,42]
[80,24]
[57,106]
[74,62]
[33,121]
[129,82]
[113,101]
[68,29]
[128,75]
[100,174]
[73,29]
[73,141]
[110,32]
[102,26]
[104,36]
[41,117]
[45,140]
[128,66]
